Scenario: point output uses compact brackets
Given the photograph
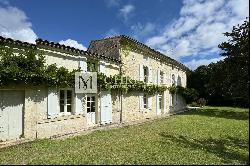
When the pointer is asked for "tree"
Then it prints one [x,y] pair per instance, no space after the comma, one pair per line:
[236,63]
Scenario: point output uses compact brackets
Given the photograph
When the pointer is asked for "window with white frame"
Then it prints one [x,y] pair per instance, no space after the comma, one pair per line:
[90,104]
[161,77]
[66,101]
[145,101]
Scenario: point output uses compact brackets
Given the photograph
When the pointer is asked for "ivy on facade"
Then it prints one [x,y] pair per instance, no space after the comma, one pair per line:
[29,68]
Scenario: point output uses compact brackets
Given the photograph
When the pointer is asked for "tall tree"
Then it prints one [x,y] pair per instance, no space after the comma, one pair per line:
[236,63]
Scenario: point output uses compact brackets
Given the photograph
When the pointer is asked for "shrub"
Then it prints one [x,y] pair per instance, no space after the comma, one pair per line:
[201,102]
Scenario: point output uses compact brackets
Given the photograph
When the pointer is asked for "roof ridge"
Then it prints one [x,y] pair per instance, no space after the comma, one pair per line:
[18,42]
[144,45]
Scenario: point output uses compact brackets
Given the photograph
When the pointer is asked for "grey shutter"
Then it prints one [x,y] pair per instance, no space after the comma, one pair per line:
[150,103]
[53,102]
[79,103]
[141,103]
[158,77]
[141,72]
[149,74]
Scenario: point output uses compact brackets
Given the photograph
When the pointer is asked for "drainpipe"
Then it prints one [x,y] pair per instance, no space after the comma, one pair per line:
[120,93]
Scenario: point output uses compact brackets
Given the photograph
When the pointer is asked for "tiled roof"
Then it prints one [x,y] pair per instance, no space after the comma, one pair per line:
[10,41]
[162,56]
[74,50]
[16,42]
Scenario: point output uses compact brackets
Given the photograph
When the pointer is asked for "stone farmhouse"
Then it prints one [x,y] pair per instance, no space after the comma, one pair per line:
[42,112]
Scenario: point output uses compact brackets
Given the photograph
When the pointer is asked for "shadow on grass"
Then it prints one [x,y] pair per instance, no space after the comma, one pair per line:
[220,113]
[227,149]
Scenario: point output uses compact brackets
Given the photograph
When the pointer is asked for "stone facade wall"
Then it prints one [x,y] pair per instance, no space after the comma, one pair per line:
[131,67]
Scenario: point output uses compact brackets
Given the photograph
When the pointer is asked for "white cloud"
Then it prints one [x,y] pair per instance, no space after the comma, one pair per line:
[126,11]
[200,27]
[15,24]
[111,32]
[141,31]
[193,64]
[156,40]
[113,3]
[73,43]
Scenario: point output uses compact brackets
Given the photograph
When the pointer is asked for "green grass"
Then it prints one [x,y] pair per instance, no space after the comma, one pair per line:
[212,135]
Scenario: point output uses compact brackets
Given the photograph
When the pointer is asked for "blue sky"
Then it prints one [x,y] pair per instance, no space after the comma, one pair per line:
[188,31]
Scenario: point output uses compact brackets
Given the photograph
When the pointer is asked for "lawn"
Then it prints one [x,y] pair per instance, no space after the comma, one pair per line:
[212,135]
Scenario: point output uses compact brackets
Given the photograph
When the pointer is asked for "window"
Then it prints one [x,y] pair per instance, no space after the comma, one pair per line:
[161,77]
[65,101]
[160,101]
[145,72]
[92,66]
[90,104]
[173,79]
[145,101]
[145,57]
[179,81]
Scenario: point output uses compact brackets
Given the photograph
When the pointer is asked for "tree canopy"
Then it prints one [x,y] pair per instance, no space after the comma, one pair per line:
[227,81]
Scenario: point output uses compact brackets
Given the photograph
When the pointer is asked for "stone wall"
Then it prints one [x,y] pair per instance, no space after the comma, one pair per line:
[131,64]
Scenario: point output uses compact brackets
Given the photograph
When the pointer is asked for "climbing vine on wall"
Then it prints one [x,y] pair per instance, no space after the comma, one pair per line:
[189,94]
[29,68]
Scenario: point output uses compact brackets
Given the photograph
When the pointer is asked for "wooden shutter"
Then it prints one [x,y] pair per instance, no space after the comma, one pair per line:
[83,65]
[157,103]
[53,102]
[158,76]
[141,103]
[164,78]
[102,68]
[149,74]
[150,103]
[141,72]
[164,101]
[79,103]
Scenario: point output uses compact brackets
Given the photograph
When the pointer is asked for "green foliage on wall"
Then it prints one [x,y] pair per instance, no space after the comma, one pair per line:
[189,94]
[29,68]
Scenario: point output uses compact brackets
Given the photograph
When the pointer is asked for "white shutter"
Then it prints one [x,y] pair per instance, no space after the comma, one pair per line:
[154,77]
[164,78]
[141,72]
[102,68]
[79,103]
[149,74]
[150,103]
[83,65]
[164,101]
[157,103]
[158,77]
[53,102]
[141,103]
